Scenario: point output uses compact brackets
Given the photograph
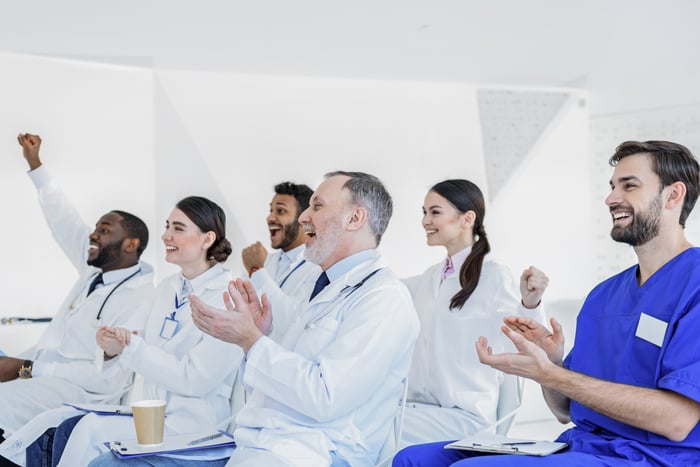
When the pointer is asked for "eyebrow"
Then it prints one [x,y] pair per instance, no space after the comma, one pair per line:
[626,179]
[182,224]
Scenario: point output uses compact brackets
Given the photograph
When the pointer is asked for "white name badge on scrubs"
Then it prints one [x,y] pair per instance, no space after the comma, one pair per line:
[651,329]
[167,331]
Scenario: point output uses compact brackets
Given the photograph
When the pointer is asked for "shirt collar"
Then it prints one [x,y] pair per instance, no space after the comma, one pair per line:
[294,254]
[198,283]
[117,275]
[459,258]
[347,263]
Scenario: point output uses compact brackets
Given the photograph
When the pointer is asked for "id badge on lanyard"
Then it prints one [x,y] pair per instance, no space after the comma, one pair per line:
[170,324]
[169,327]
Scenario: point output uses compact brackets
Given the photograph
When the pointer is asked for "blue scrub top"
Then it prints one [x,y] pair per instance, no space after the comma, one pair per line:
[663,352]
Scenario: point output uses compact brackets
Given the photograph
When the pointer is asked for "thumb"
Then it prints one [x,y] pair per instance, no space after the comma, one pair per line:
[228,303]
[265,303]
[556,328]
[524,275]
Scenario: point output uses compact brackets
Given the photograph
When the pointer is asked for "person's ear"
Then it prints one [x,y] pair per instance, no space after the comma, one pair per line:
[209,239]
[676,194]
[468,219]
[131,244]
[358,218]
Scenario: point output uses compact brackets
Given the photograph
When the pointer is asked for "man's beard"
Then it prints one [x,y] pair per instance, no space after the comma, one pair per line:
[322,248]
[291,232]
[108,254]
[644,226]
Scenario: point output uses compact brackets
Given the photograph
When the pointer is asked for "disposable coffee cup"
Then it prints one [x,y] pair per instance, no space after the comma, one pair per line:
[149,420]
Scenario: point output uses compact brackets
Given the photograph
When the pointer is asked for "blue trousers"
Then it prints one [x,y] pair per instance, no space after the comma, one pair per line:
[585,450]
[47,450]
[109,460]
[434,454]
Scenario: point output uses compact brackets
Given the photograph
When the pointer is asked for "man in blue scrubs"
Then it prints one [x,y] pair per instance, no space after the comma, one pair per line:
[631,383]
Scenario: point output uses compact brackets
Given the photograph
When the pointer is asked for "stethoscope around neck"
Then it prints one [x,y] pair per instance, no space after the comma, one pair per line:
[98,317]
[343,294]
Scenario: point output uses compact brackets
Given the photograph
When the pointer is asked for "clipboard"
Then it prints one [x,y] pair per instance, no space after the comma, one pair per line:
[102,409]
[176,444]
[496,444]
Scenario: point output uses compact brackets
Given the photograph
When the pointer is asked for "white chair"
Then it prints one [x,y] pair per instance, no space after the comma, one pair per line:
[393,439]
[238,398]
[134,392]
[236,401]
[510,397]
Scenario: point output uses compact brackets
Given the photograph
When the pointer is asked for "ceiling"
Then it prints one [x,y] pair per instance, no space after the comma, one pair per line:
[529,42]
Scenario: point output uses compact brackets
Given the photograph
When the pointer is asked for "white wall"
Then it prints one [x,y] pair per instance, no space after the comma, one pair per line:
[254,131]
[542,217]
[97,126]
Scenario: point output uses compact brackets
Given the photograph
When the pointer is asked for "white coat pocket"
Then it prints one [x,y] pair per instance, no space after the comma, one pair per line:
[317,336]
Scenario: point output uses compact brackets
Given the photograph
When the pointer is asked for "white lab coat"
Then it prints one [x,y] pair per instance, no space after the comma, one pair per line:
[334,382]
[450,393]
[64,369]
[290,299]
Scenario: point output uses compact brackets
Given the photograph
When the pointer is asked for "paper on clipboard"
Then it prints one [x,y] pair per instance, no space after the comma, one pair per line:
[488,442]
[172,444]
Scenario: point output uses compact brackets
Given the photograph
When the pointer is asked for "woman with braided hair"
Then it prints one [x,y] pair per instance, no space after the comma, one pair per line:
[451,394]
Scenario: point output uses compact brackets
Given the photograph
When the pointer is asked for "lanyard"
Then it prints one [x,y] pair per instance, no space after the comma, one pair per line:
[99,313]
[291,272]
[345,293]
[178,304]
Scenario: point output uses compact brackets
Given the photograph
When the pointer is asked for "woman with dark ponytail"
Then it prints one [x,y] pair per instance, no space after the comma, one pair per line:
[459,299]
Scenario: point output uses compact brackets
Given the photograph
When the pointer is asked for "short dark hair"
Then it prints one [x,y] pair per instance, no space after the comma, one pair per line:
[135,228]
[672,162]
[369,192]
[301,193]
[208,216]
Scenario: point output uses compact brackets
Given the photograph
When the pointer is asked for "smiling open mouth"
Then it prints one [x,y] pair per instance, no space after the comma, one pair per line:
[309,231]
